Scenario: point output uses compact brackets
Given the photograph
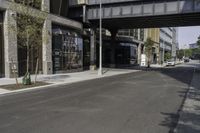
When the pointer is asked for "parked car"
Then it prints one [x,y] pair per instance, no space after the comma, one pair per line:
[171,62]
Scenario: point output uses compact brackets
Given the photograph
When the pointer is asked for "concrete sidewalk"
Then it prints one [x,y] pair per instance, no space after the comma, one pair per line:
[65,78]
[189,121]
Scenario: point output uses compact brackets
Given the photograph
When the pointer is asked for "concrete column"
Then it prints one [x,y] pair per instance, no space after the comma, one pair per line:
[139,34]
[47,40]
[45,5]
[47,48]
[113,47]
[93,50]
[10,44]
[139,53]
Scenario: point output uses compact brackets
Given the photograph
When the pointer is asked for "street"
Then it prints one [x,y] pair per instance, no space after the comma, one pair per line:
[140,102]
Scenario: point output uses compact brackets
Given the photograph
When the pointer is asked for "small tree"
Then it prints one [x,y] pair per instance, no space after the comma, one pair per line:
[148,48]
[180,54]
[168,56]
[198,41]
[29,27]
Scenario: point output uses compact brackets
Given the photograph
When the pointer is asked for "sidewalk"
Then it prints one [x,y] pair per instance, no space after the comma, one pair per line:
[65,78]
[189,121]
[158,65]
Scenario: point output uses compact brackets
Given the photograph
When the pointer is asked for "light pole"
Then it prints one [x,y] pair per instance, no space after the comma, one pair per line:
[163,52]
[100,73]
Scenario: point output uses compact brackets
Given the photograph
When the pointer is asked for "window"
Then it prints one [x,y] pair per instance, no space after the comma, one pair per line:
[67,50]
[59,7]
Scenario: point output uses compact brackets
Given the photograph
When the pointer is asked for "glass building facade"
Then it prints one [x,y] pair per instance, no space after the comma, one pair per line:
[1,47]
[137,34]
[67,50]
[125,53]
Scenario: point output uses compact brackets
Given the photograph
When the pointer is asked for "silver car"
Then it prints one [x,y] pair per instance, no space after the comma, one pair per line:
[171,62]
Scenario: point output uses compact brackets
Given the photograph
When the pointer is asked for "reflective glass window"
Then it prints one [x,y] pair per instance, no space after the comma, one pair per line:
[67,50]
[59,7]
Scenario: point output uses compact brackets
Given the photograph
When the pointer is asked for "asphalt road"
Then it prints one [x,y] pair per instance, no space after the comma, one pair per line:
[142,102]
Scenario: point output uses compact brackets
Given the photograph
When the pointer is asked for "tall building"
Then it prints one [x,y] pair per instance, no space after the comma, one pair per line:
[137,34]
[165,40]
[154,34]
[168,42]
[193,46]
[62,51]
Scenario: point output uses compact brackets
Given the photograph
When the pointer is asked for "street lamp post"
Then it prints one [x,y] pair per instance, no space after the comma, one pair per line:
[163,52]
[100,73]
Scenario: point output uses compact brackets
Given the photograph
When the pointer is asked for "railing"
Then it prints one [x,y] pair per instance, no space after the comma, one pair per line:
[77,2]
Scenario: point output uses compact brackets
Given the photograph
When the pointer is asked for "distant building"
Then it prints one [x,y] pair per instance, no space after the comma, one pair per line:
[193,45]
[154,34]
[168,41]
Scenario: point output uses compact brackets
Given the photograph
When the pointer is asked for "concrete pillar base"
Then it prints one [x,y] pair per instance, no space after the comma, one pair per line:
[47,68]
[93,67]
[112,65]
[11,69]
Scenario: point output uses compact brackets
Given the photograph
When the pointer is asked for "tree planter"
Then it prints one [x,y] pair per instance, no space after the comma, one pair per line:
[27,79]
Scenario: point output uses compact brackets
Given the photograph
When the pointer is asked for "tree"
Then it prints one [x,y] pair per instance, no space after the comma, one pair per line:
[188,52]
[148,48]
[168,56]
[198,41]
[180,54]
[29,28]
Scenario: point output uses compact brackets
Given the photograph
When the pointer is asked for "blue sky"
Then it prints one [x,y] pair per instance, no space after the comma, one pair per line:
[188,35]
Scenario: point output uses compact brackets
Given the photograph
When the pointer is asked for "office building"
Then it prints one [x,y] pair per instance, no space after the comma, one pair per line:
[62,51]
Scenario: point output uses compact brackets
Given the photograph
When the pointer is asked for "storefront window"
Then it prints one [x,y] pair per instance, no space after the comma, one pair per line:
[67,51]
[126,54]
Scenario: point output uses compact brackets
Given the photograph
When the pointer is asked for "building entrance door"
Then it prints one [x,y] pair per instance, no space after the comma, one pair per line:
[2,73]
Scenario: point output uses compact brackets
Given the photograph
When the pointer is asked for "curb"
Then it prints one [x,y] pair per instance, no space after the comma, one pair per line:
[181,111]
[57,84]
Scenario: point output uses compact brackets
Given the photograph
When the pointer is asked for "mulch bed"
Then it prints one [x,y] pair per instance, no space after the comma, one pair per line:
[13,87]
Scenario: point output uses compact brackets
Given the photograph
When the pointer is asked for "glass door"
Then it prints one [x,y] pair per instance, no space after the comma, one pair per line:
[67,52]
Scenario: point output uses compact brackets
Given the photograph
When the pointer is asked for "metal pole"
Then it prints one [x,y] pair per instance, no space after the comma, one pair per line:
[100,73]
[163,52]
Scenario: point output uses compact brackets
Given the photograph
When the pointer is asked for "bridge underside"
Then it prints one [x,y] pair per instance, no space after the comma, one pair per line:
[190,19]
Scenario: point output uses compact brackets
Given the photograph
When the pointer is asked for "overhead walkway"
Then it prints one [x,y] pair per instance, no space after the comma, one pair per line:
[142,13]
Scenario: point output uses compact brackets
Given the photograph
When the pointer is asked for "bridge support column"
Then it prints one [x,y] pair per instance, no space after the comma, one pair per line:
[139,53]
[11,53]
[93,49]
[113,47]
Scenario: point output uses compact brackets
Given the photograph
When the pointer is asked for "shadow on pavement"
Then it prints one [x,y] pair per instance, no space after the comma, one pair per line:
[170,121]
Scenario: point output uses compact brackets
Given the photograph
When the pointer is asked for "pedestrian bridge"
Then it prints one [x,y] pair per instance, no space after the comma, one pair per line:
[142,13]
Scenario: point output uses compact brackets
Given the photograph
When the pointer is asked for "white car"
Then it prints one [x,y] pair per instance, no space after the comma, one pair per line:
[171,63]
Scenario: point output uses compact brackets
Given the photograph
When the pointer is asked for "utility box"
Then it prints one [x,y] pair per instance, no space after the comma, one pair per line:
[143,60]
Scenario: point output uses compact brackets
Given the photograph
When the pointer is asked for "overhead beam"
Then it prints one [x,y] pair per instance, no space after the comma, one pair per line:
[149,8]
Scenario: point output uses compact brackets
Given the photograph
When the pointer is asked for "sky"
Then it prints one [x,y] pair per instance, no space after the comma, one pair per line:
[188,35]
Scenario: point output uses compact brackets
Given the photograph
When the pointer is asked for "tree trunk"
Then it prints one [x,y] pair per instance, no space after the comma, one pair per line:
[14,72]
[36,70]
[149,57]
[28,53]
